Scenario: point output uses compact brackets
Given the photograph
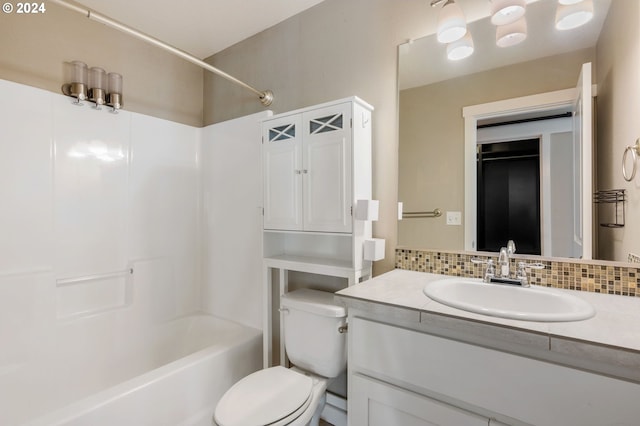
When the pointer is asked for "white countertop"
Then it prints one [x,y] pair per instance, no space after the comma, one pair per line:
[612,336]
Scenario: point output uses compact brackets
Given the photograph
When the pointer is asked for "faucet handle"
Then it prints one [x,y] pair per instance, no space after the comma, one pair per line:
[490,271]
[521,273]
[535,265]
[511,248]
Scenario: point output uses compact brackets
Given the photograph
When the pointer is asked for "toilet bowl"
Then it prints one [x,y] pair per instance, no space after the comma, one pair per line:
[276,396]
[316,345]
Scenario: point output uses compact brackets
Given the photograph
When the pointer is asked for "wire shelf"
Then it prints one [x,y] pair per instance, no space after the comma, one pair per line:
[612,196]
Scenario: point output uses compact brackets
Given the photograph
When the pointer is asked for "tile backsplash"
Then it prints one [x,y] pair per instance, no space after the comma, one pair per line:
[598,277]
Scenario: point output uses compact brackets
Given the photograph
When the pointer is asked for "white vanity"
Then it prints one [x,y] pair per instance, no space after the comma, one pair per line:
[414,361]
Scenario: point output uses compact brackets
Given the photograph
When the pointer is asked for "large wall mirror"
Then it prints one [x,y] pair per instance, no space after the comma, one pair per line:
[513,142]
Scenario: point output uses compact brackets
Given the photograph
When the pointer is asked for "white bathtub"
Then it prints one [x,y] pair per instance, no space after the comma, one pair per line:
[174,375]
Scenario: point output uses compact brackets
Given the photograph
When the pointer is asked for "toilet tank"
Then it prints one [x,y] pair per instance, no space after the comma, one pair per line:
[311,332]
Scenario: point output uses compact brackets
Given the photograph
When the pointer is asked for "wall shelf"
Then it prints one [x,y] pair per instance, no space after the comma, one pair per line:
[612,196]
[312,265]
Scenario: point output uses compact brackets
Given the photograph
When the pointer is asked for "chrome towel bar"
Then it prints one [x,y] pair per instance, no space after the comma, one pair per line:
[411,215]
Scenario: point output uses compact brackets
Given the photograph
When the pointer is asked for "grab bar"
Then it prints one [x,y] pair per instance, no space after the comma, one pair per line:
[411,215]
[67,281]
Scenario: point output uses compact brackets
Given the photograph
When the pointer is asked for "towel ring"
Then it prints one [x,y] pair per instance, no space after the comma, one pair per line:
[635,151]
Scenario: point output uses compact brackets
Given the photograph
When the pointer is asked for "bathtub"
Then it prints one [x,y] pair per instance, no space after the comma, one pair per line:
[174,375]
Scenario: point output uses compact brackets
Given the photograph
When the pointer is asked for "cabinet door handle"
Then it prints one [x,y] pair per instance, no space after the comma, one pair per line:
[305,171]
[298,172]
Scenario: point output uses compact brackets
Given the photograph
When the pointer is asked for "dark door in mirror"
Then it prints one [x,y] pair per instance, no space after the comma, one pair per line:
[509,195]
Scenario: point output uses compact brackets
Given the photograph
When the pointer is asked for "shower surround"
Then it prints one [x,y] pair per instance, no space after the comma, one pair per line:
[108,238]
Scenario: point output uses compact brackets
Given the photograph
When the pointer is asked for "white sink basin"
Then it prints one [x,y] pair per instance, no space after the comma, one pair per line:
[506,301]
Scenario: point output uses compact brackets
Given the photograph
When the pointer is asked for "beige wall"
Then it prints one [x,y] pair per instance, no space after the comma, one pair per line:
[618,78]
[34,48]
[336,49]
[431,153]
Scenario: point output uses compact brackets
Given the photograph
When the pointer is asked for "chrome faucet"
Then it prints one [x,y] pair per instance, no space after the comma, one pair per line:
[502,275]
[503,263]
[506,253]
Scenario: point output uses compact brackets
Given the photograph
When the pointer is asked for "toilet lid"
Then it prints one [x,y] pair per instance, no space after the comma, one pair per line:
[264,397]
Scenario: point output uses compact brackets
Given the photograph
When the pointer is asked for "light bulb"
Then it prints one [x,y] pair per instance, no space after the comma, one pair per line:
[505,12]
[452,25]
[570,16]
[460,49]
[511,34]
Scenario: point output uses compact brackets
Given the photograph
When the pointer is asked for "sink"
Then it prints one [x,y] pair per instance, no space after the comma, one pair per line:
[506,301]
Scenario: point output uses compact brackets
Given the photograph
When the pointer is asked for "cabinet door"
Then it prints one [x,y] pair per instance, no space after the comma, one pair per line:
[282,154]
[374,403]
[327,169]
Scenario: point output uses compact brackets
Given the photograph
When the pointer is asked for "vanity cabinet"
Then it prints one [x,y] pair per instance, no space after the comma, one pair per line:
[375,403]
[414,377]
[311,168]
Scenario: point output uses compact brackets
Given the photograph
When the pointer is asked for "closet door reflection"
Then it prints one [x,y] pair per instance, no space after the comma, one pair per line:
[509,195]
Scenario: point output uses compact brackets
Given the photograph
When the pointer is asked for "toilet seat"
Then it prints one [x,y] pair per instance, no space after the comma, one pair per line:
[274,396]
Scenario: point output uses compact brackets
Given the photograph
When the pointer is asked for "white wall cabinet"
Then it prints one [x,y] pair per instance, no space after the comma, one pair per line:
[316,165]
[308,170]
[282,154]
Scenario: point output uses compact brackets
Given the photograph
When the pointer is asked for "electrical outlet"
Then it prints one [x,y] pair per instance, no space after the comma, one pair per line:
[454,218]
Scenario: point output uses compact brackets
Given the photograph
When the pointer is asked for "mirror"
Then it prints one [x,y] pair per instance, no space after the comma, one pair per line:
[438,171]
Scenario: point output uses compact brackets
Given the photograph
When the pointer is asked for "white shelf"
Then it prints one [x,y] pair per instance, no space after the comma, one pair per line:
[307,233]
[313,265]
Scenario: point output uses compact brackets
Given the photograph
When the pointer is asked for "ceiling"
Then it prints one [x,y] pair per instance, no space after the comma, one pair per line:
[423,61]
[199,27]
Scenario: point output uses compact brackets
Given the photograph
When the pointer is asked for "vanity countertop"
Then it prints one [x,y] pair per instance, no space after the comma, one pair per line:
[611,338]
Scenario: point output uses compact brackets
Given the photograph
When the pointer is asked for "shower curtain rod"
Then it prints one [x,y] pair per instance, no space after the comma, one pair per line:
[266,97]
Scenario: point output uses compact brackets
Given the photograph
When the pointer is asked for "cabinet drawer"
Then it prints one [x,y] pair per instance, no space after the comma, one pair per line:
[378,404]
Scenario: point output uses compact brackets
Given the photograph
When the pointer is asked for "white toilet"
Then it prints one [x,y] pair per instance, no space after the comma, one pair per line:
[316,345]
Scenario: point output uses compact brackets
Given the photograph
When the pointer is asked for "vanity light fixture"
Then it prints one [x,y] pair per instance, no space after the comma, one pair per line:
[505,12]
[511,34]
[77,88]
[97,86]
[94,85]
[572,14]
[452,24]
[460,49]
[114,97]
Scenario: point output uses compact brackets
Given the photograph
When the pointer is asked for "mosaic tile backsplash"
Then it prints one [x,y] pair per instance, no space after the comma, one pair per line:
[598,278]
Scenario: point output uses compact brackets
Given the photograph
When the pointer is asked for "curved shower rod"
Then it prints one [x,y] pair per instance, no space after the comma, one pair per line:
[265,97]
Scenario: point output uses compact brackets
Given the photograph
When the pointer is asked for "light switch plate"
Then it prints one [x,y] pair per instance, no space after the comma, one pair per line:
[454,218]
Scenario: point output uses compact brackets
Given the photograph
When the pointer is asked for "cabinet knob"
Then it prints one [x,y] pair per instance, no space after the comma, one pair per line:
[298,172]
[305,171]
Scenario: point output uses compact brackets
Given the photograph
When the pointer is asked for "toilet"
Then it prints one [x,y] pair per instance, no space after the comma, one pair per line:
[316,346]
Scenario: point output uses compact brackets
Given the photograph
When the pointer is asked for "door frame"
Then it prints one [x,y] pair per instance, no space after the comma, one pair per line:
[474,113]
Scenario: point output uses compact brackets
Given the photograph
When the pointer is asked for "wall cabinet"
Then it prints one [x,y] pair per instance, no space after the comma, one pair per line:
[316,165]
[309,168]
